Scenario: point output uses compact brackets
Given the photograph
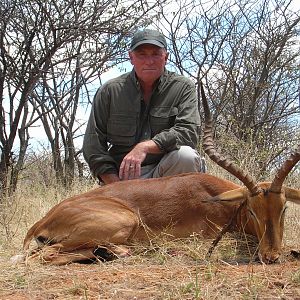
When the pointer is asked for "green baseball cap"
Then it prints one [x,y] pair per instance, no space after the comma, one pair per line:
[148,36]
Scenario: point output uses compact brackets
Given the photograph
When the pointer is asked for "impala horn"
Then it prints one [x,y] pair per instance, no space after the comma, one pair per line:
[284,170]
[209,148]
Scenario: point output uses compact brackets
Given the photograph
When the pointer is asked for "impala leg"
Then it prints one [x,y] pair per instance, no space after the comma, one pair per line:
[119,250]
[54,256]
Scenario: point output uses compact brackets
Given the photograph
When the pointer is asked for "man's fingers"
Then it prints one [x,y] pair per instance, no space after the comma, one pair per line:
[124,170]
[137,170]
[129,170]
[130,167]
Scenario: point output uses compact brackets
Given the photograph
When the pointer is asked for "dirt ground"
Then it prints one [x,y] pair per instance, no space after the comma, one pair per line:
[164,273]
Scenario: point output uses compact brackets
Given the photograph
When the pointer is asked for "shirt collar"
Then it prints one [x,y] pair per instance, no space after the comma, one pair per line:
[162,79]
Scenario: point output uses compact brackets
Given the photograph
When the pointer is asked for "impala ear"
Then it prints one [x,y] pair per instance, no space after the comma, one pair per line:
[292,195]
[231,196]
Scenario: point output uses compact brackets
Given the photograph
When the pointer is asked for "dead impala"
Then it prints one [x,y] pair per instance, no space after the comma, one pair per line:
[113,216]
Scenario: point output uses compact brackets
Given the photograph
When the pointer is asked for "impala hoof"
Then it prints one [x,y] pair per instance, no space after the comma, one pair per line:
[270,258]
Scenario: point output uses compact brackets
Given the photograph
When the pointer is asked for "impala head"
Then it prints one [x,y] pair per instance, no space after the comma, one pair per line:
[266,213]
[264,203]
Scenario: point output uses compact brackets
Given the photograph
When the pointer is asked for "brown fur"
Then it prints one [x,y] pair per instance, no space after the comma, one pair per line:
[118,213]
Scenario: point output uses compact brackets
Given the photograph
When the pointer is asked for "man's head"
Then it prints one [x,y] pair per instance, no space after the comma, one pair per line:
[148,55]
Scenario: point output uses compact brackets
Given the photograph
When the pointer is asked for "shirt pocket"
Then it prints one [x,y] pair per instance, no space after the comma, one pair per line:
[121,130]
[161,118]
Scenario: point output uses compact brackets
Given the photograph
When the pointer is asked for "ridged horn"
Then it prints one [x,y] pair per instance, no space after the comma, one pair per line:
[209,148]
[284,170]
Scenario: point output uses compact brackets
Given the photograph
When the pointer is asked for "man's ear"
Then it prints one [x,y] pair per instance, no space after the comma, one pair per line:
[167,56]
[130,56]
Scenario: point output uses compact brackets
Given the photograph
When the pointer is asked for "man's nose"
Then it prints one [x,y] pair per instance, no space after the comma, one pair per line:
[149,59]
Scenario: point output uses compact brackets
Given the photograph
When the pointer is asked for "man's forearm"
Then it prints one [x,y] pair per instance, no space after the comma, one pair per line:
[109,178]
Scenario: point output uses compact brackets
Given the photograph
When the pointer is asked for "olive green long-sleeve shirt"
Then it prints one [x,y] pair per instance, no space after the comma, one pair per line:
[120,119]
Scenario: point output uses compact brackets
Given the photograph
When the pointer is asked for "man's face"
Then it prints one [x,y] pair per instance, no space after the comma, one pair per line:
[149,62]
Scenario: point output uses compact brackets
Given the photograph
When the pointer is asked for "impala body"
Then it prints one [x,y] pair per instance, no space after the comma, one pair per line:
[116,214]
[113,216]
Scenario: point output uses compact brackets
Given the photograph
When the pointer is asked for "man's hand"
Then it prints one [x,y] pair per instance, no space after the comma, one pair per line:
[130,167]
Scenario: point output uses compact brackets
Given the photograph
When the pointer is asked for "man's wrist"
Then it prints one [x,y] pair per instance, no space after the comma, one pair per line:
[149,147]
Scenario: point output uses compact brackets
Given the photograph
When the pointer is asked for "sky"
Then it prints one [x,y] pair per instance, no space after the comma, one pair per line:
[38,139]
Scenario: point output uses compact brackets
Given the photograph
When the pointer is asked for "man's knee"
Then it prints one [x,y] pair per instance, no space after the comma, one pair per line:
[183,160]
[188,158]
[187,154]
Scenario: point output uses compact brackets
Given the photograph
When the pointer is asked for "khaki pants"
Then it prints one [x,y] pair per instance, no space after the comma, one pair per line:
[184,160]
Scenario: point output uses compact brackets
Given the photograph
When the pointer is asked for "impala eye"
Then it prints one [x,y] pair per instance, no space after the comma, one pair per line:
[251,212]
[253,216]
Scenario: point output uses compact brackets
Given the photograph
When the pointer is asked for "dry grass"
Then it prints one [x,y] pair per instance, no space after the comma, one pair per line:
[162,270]
[176,270]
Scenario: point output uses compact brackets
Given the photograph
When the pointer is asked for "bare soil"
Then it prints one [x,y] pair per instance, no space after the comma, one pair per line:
[176,270]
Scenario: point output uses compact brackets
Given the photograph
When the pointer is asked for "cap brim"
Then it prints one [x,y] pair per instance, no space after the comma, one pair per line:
[152,42]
